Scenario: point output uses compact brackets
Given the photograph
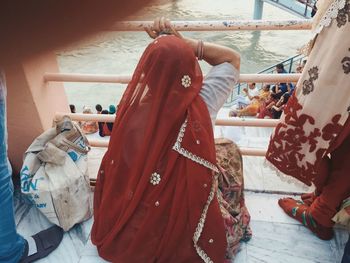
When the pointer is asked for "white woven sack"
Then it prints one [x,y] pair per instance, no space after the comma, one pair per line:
[54,175]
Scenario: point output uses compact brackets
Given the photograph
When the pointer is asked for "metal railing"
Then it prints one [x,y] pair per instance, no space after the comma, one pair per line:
[267,123]
[301,8]
[220,25]
[192,26]
[122,79]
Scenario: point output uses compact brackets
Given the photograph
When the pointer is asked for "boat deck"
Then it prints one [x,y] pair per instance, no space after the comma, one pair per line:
[276,237]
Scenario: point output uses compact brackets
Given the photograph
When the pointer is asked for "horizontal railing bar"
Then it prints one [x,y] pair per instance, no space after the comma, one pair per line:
[247,122]
[86,117]
[220,25]
[269,78]
[122,79]
[76,77]
[234,121]
[244,151]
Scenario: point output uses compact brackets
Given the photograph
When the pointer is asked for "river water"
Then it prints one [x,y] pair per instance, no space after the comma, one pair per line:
[118,52]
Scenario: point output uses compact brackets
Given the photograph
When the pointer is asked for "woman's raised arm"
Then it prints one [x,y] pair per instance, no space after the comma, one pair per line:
[213,54]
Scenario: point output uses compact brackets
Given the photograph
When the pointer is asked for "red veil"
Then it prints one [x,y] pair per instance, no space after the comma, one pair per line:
[155,197]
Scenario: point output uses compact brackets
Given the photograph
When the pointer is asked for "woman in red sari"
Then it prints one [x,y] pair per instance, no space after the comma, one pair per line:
[156,193]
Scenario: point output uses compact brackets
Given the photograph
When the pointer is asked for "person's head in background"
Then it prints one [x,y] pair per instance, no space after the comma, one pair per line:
[98,108]
[283,100]
[87,110]
[266,87]
[251,85]
[72,108]
[280,68]
[112,109]
[301,66]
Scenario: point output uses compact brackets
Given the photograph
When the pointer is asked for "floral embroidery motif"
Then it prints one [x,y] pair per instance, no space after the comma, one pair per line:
[186,81]
[343,15]
[313,73]
[290,138]
[155,178]
[308,87]
[346,63]
[308,84]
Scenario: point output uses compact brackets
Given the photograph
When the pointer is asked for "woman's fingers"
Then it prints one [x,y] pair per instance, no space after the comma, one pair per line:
[156,25]
[150,32]
[162,24]
[174,31]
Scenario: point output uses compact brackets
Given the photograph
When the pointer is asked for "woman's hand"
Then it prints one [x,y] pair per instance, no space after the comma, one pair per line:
[161,26]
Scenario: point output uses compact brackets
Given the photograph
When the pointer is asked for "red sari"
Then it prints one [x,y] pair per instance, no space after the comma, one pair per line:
[155,197]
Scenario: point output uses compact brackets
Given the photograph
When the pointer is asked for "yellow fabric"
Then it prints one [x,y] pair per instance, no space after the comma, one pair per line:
[264,95]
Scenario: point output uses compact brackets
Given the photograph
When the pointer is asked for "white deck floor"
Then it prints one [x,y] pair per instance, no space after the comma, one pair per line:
[276,237]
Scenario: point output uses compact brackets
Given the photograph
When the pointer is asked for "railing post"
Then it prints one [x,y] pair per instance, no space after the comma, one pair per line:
[306,3]
[258,9]
[290,65]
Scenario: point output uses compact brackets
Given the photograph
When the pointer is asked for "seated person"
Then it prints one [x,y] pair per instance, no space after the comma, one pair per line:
[301,66]
[278,90]
[112,109]
[251,93]
[105,128]
[281,88]
[264,94]
[72,108]
[278,108]
[272,108]
[98,108]
[253,108]
[88,127]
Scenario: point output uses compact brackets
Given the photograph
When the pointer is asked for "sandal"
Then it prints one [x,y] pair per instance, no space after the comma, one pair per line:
[46,241]
[299,211]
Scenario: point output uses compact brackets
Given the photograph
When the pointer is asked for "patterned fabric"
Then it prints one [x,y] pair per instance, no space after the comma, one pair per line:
[327,10]
[231,197]
[316,113]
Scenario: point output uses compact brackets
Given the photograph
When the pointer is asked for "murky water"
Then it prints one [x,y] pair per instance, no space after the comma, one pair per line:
[118,52]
